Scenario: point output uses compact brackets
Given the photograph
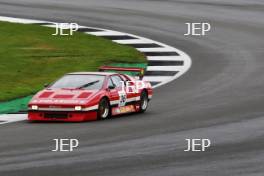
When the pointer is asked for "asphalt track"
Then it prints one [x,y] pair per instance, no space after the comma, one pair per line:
[221,97]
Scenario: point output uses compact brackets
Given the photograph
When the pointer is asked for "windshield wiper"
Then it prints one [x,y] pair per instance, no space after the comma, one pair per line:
[88,84]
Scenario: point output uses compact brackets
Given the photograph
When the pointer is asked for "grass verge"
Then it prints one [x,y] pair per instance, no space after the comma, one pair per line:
[31,56]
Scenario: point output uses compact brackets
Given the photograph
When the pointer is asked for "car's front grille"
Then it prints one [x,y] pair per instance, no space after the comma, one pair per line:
[56,115]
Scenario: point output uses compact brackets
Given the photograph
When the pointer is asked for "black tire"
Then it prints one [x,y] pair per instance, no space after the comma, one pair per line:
[143,102]
[104,109]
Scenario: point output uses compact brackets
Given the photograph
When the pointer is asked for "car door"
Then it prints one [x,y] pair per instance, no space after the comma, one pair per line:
[118,94]
[131,91]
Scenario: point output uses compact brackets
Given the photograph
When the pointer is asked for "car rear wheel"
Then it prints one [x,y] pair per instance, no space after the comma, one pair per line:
[103,109]
[143,101]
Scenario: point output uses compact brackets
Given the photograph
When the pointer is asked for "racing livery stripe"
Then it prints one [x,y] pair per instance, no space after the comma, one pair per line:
[133,99]
[95,107]
[115,102]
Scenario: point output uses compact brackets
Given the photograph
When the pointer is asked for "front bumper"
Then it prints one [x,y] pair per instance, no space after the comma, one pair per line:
[66,116]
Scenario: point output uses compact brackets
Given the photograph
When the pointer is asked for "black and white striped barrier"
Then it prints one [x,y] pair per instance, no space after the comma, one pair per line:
[165,63]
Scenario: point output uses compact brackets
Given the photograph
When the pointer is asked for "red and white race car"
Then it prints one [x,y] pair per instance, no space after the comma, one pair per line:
[84,96]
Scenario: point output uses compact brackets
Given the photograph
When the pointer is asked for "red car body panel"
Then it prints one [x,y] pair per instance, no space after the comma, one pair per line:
[71,116]
[60,104]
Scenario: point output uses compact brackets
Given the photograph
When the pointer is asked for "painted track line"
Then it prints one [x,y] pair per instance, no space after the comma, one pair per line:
[133,41]
[9,118]
[156,49]
[164,68]
[166,63]
[156,78]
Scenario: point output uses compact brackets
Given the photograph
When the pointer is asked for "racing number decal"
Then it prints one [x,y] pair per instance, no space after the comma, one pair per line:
[122,99]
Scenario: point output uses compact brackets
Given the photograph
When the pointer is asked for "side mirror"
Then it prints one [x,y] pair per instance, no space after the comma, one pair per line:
[111,87]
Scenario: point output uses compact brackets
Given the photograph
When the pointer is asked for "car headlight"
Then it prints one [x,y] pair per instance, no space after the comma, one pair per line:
[78,108]
[34,107]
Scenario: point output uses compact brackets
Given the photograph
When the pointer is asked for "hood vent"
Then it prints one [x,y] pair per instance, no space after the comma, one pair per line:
[84,95]
[45,94]
[63,96]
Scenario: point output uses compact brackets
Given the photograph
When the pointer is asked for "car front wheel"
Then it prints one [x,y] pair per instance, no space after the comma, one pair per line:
[103,109]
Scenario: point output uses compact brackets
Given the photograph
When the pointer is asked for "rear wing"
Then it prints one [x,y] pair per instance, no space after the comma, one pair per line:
[132,71]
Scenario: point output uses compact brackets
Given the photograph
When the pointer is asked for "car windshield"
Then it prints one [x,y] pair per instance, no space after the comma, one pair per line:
[90,82]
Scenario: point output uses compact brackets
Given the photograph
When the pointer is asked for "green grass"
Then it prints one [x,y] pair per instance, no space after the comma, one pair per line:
[30,57]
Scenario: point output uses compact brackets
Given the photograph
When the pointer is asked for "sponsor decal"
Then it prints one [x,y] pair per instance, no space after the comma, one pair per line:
[123,109]
[122,99]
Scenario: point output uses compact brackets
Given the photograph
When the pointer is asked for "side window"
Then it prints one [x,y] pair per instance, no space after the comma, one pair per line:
[110,82]
[117,81]
[124,78]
